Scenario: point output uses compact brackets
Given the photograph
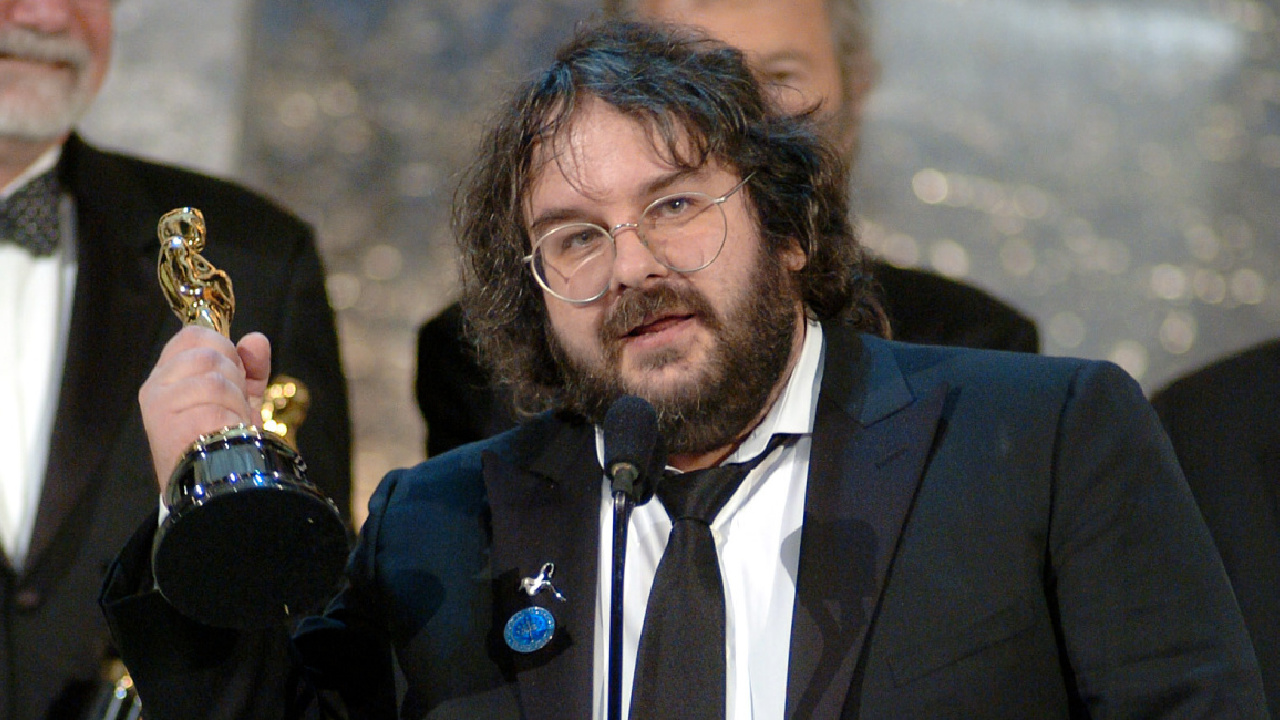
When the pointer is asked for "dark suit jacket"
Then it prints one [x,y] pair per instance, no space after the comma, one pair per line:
[99,483]
[456,399]
[986,535]
[1224,421]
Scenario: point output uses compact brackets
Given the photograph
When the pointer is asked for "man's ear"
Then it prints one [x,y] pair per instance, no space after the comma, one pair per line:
[793,256]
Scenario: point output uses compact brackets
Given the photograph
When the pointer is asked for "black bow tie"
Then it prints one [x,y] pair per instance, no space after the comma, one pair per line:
[29,217]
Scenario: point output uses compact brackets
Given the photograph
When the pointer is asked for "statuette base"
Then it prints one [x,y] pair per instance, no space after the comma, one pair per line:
[265,546]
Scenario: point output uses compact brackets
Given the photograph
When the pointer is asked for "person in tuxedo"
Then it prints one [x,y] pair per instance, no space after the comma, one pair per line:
[82,319]
[1222,421]
[847,526]
[810,54]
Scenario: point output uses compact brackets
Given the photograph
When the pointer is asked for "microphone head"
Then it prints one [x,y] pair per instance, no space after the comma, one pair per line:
[633,449]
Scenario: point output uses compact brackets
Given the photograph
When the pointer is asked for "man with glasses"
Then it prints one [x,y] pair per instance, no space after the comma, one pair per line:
[82,319]
[848,526]
[809,54]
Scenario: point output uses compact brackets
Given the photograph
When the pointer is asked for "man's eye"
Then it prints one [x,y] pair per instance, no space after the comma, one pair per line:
[573,241]
[673,206]
[783,72]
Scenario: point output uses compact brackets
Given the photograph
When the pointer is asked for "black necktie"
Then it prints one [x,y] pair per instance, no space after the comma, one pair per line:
[680,665]
[29,217]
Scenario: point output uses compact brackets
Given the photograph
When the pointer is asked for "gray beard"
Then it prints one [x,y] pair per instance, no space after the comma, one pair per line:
[46,122]
[43,111]
[752,351]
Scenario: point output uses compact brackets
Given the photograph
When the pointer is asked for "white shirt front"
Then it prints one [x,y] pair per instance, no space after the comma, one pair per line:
[35,312]
[757,538]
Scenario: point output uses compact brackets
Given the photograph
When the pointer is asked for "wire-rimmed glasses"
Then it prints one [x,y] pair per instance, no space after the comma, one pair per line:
[684,231]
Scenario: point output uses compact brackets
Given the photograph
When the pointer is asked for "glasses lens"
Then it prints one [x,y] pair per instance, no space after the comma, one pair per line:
[685,231]
[574,261]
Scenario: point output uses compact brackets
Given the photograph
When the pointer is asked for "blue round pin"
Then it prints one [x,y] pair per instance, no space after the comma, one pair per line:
[529,629]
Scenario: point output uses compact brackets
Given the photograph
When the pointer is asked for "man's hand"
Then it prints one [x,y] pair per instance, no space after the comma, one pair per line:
[201,384]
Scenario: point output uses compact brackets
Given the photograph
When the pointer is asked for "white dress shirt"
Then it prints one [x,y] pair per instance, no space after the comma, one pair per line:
[35,313]
[757,538]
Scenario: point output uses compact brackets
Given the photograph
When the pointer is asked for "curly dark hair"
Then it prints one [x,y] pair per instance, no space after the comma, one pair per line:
[702,103]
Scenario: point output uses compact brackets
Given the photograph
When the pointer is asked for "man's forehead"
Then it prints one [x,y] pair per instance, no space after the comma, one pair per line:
[596,132]
[666,7]
[790,44]
[745,24]
[777,36]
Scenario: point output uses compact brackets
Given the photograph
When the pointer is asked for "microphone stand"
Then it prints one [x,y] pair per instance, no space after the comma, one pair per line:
[622,504]
[633,446]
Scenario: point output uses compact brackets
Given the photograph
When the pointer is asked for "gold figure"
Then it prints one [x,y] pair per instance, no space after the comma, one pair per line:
[201,294]
[198,292]
[241,564]
[284,407]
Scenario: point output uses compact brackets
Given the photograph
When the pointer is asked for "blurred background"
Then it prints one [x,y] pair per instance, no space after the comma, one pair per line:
[1111,167]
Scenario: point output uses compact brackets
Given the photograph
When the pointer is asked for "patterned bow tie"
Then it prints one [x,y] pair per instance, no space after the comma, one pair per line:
[29,217]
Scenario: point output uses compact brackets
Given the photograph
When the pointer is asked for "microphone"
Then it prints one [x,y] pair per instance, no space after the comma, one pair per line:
[634,458]
[633,449]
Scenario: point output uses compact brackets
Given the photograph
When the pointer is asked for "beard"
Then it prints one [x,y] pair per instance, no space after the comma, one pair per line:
[35,107]
[715,406]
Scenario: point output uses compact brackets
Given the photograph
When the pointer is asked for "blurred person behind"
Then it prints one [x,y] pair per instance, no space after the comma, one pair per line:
[82,318]
[1222,421]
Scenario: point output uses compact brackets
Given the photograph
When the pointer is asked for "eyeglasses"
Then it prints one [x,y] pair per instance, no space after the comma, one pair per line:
[685,232]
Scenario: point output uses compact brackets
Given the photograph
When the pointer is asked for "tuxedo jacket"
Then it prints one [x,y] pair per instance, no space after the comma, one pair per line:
[460,405]
[986,535]
[99,483]
[1224,421]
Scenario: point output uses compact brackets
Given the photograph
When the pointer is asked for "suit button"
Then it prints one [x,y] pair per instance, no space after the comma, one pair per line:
[27,599]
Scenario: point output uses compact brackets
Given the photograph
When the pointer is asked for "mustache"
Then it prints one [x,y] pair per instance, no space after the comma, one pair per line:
[31,45]
[635,306]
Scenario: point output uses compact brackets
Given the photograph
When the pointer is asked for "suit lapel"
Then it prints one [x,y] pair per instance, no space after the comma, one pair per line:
[872,438]
[115,323]
[549,513]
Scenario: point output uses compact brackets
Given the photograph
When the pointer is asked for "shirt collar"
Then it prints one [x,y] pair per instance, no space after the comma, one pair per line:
[794,411]
[43,164]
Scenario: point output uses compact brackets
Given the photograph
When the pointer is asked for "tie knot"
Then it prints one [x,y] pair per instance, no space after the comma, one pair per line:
[700,494]
[29,217]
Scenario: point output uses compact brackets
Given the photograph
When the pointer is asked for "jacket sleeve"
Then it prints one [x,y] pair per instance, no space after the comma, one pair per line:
[1147,617]
[335,665]
[182,669]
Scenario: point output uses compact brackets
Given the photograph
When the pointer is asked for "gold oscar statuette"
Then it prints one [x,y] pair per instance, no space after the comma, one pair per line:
[248,540]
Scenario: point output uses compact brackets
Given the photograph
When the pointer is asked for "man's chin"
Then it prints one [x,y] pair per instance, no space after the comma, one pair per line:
[38,119]
[663,380]
[670,394]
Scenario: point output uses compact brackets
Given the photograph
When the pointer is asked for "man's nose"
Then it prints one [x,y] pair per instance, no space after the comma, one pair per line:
[49,16]
[635,262]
